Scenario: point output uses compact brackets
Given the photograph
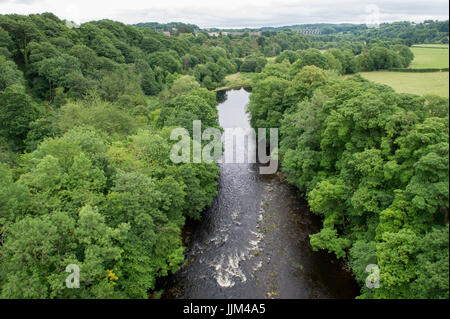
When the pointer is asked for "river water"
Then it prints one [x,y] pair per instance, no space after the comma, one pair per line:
[253,241]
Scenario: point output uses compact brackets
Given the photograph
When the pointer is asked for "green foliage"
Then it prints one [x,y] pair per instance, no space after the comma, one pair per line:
[432,260]
[185,108]
[273,93]
[103,116]
[128,196]
[14,197]
[34,264]
[382,58]
[97,187]
[253,64]
[311,57]
[329,239]
[183,85]
[288,55]
[374,165]
[351,35]
[17,111]
[210,74]
[346,59]
[9,74]
[267,102]
[56,70]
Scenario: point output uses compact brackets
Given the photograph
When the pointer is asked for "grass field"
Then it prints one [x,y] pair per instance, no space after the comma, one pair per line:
[436,46]
[430,56]
[415,83]
[425,56]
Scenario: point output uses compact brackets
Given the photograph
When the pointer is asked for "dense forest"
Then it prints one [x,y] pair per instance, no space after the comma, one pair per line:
[373,164]
[85,177]
[86,115]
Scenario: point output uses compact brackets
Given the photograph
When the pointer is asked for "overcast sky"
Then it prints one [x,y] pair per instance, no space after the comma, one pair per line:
[234,13]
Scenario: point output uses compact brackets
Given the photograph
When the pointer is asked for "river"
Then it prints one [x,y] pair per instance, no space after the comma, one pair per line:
[253,242]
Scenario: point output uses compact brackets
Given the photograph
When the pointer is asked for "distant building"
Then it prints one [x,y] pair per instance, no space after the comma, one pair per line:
[166,33]
[232,33]
[225,33]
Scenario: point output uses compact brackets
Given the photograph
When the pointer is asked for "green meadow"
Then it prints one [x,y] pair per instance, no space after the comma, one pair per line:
[430,56]
[415,83]
[425,56]
[433,46]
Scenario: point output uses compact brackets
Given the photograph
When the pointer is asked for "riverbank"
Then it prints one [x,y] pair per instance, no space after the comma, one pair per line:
[237,81]
[253,242]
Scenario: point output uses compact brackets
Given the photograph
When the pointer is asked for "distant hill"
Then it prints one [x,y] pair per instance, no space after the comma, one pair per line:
[411,33]
[181,27]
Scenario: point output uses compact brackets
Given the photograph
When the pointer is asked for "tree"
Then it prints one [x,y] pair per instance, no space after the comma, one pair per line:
[103,116]
[432,259]
[183,85]
[347,60]
[55,71]
[34,265]
[188,108]
[334,63]
[305,83]
[253,64]
[22,31]
[17,111]
[380,58]
[153,245]
[167,60]
[374,166]
[405,53]
[5,40]
[267,102]
[310,57]
[150,44]
[288,55]
[9,74]
[14,197]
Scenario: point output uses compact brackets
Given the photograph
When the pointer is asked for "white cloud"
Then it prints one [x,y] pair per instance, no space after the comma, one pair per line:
[232,13]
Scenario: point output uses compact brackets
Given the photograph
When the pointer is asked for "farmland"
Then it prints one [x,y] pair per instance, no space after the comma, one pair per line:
[425,56]
[415,83]
[430,56]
